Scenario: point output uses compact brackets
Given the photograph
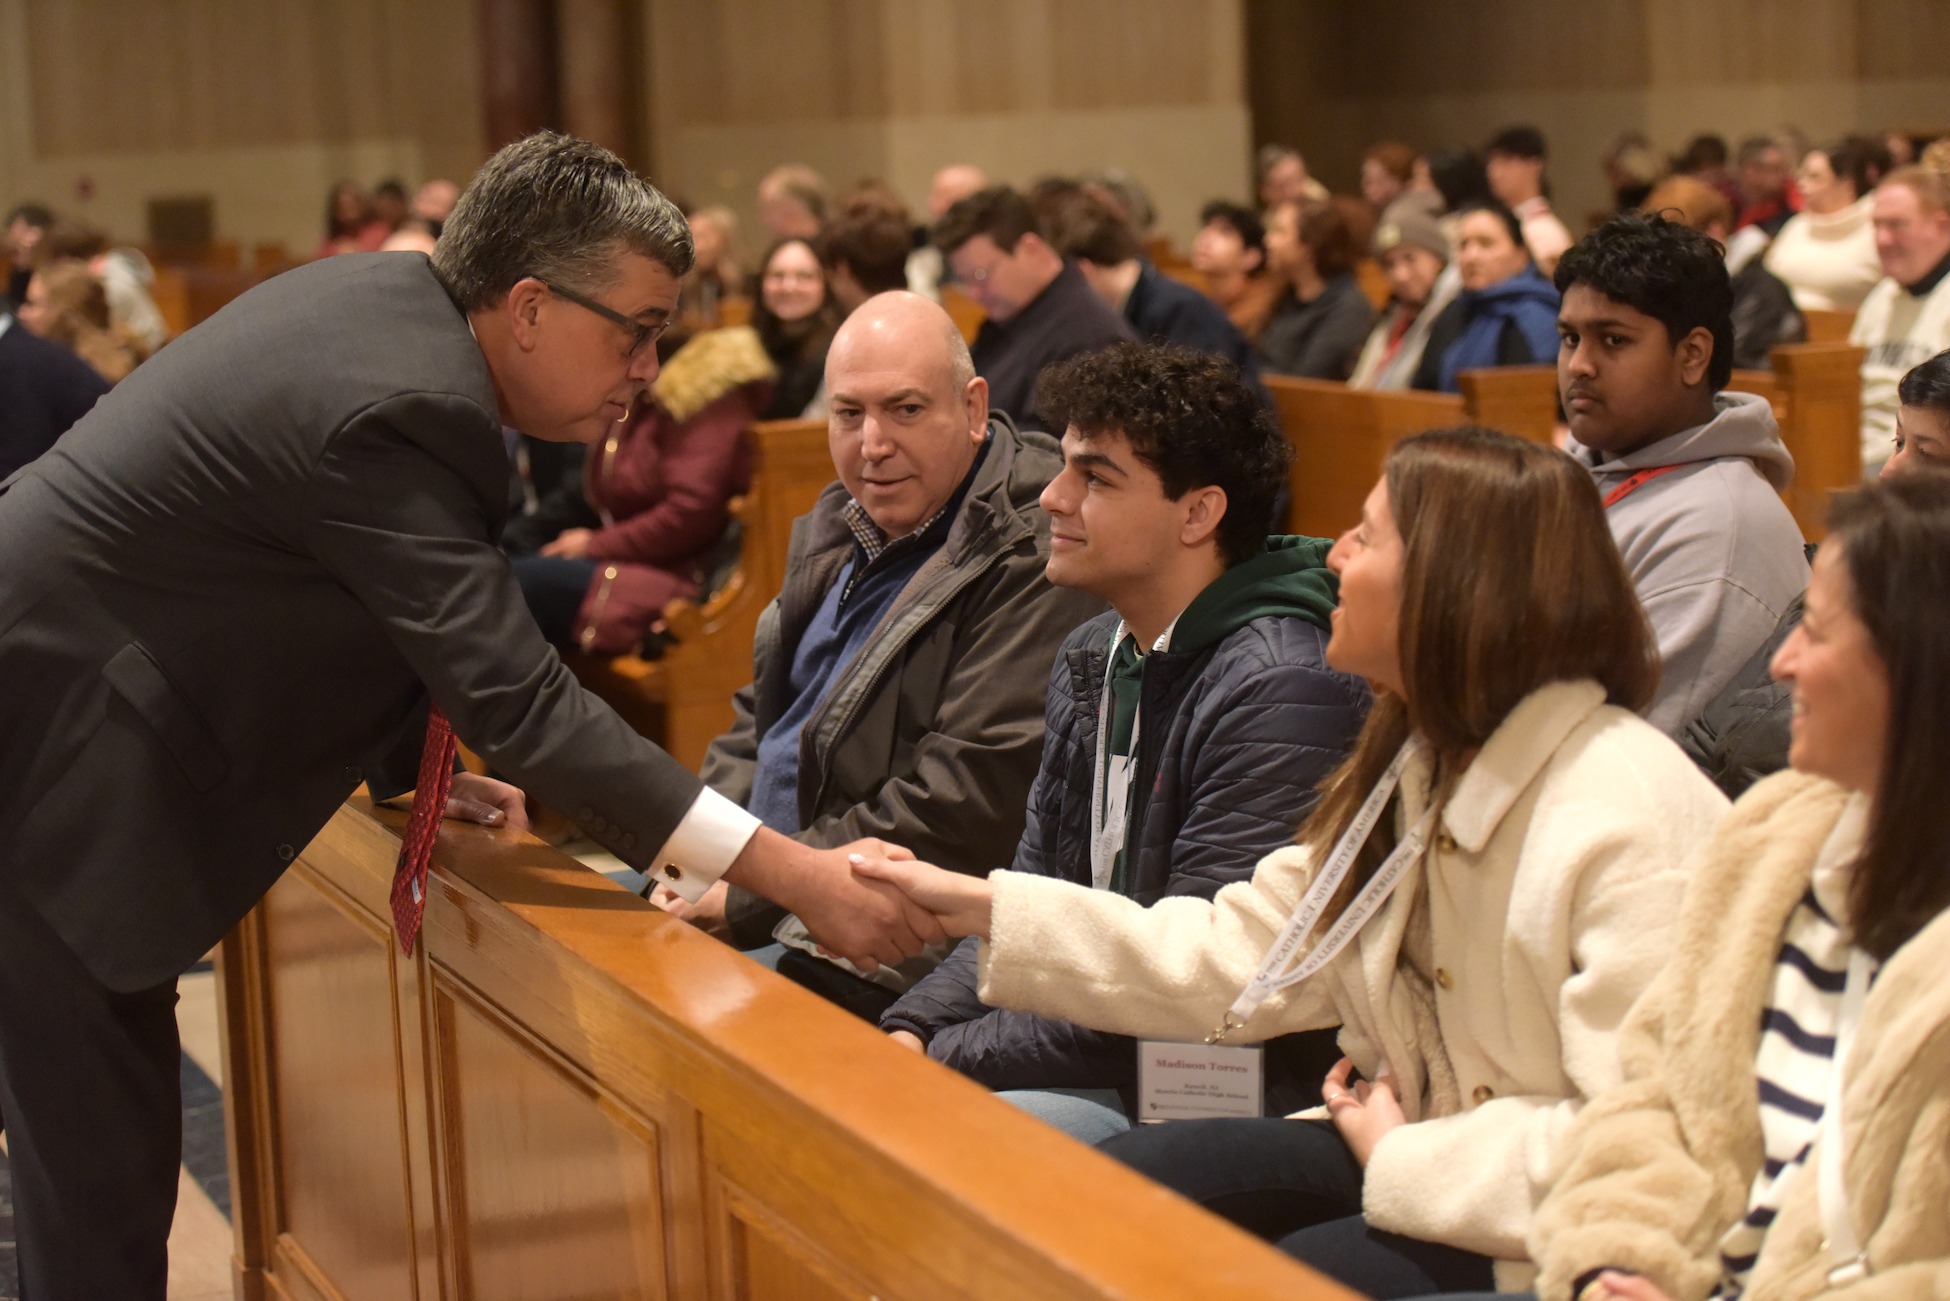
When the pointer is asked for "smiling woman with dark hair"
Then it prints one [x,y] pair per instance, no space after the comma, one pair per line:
[1781,1126]
[795,318]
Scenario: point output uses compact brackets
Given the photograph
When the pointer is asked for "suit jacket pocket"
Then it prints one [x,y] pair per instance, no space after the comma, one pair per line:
[138,679]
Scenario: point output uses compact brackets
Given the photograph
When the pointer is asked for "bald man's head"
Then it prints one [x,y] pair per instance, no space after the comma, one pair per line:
[952,184]
[907,412]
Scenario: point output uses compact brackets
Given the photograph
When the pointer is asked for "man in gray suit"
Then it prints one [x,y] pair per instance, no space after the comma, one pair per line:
[225,598]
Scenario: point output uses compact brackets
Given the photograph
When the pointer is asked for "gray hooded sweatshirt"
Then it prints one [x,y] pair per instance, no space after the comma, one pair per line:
[1712,550]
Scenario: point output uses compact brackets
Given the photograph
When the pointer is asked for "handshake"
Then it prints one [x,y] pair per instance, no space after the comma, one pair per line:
[868,902]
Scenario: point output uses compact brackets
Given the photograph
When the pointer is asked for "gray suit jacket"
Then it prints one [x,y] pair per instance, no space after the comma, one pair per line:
[221,595]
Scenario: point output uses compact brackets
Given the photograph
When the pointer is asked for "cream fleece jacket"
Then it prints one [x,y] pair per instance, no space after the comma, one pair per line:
[1660,1167]
[1552,882]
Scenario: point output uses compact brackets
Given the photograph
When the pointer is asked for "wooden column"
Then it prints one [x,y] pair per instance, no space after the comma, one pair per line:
[594,60]
[517,69]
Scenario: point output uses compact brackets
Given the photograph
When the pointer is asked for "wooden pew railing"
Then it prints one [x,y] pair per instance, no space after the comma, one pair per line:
[1828,326]
[682,700]
[965,312]
[1341,436]
[565,1093]
[1816,391]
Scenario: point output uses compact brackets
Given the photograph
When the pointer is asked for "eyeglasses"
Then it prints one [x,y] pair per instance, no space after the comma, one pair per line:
[643,333]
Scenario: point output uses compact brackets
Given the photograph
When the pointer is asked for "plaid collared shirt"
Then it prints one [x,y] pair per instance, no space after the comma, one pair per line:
[874,545]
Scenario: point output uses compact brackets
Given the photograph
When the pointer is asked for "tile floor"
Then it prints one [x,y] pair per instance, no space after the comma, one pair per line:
[200,1242]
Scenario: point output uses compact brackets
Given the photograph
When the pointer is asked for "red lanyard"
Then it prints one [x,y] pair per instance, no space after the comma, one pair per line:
[1625,489]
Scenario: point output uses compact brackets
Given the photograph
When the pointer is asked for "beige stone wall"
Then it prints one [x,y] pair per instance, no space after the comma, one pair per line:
[1332,78]
[895,88]
[260,104]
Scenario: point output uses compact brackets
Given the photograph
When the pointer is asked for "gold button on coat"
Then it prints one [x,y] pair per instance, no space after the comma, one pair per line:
[1444,979]
[1445,842]
[1482,1093]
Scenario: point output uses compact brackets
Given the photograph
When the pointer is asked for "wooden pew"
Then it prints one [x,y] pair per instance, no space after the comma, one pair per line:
[565,1093]
[966,313]
[1186,274]
[683,699]
[1520,400]
[1816,391]
[1340,436]
[172,294]
[1828,326]
[1373,281]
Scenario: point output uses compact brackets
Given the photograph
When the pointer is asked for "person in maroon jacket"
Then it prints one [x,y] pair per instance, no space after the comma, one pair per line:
[600,559]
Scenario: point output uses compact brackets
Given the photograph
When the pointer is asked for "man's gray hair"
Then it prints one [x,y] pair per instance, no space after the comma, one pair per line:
[562,210]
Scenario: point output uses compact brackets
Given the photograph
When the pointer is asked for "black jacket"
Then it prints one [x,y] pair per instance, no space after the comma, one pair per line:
[1162,310]
[1255,723]
[1764,314]
[220,597]
[44,390]
[1321,338]
[1743,733]
[1066,320]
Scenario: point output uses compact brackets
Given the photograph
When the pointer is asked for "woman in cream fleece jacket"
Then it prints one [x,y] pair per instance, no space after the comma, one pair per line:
[1698,1174]
[1496,621]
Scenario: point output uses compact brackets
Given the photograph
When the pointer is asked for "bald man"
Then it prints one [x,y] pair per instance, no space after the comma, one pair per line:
[900,673]
[952,184]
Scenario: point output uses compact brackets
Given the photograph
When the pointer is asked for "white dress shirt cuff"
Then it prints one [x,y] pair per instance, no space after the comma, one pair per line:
[713,833]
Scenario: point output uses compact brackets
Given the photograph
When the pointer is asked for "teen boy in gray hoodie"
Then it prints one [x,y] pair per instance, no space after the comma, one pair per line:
[1690,475]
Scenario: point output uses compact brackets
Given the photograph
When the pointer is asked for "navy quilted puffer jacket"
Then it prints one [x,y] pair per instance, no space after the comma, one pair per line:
[1256,721]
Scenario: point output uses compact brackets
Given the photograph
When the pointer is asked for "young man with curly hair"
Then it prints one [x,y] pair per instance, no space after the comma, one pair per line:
[1690,474]
[1187,729]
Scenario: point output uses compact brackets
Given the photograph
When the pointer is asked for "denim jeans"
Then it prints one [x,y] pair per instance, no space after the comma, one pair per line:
[1087,1115]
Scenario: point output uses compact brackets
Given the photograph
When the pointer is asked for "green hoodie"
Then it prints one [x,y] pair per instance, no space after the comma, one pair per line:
[1289,577]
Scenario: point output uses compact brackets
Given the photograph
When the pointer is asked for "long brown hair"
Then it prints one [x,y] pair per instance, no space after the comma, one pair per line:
[1894,539]
[1510,581]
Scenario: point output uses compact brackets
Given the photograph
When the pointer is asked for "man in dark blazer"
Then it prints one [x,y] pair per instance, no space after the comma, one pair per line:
[225,598]
[44,389]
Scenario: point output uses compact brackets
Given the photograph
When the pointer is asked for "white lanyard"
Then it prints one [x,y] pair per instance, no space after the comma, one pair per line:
[1272,975]
[1109,818]
[1851,1261]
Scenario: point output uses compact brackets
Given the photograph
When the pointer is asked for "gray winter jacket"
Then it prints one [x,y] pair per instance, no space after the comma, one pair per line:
[1255,723]
[1713,552]
[929,738]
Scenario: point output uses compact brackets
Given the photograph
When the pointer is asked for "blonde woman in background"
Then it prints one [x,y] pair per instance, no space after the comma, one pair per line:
[67,304]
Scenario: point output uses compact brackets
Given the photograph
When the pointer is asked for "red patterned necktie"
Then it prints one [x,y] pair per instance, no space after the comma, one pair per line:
[422,827]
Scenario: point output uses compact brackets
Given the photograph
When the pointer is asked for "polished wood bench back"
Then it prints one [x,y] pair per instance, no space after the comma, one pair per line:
[1816,391]
[565,1093]
[1341,435]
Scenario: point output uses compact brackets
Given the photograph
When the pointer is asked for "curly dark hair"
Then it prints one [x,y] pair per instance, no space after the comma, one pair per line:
[1188,415]
[1666,269]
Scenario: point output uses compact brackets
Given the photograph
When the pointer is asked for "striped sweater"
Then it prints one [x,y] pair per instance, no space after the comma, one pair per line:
[1795,1066]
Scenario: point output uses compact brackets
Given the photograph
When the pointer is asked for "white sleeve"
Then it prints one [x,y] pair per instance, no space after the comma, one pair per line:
[714,831]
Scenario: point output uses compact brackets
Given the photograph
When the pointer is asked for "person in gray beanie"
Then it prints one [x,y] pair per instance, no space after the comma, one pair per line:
[1414,253]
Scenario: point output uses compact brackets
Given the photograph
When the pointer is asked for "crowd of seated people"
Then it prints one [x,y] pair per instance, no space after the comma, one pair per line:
[1437,812]
[1534,628]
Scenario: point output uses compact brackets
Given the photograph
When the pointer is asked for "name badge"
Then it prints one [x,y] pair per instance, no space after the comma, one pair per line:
[1198,1081]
